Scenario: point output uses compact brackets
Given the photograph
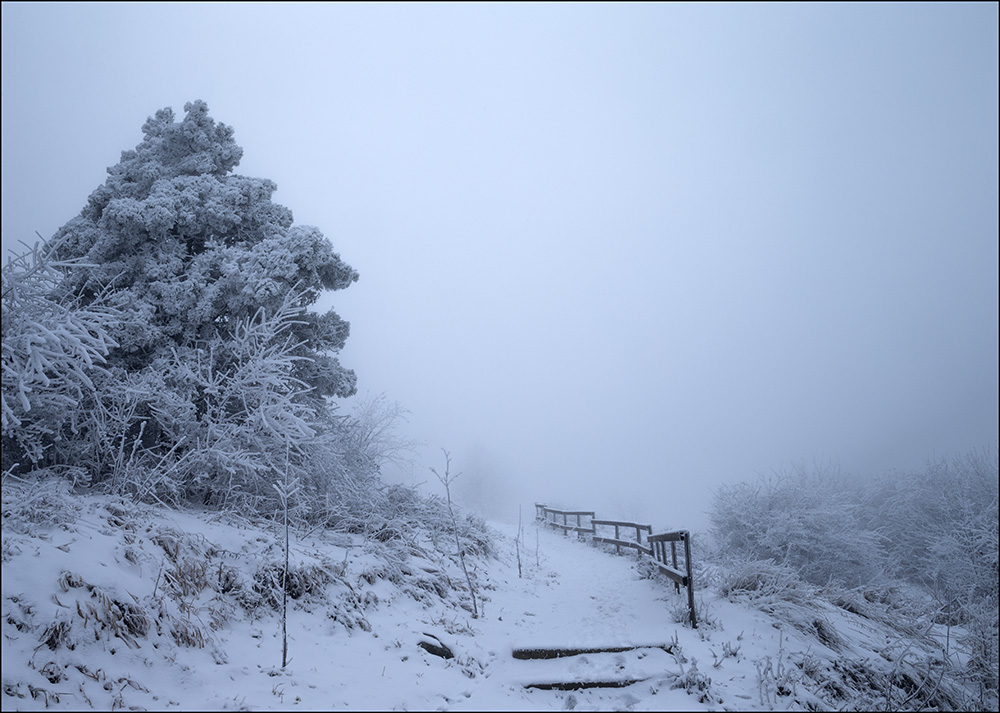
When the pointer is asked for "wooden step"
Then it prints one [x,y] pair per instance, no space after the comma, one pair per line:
[577,685]
[581,678]
[554,653]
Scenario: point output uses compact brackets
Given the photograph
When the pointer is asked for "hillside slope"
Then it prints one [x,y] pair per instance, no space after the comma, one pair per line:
[108,605]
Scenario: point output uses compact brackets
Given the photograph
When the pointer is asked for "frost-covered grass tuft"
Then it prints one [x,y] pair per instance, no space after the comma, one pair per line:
[37,501]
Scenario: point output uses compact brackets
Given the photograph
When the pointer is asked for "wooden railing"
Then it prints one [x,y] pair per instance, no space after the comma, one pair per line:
[655,546]
[551,517]
[680,578]
[617,541]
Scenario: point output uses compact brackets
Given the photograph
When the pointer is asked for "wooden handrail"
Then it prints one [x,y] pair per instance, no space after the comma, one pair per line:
[569,512]
[542,513]
[617,541]
[621,523]
[676,536]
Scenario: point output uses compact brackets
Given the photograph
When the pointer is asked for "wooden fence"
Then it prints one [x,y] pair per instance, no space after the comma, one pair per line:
[680,578]
[565,525]
[617,541]
[584,523]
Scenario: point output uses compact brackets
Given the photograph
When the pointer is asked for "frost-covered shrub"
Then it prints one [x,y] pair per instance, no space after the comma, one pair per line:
[940,528]
[301,580]
[364,505]
[912,548]
[696,684]
[807,521]
[253,421]
[901,606]
[52,350]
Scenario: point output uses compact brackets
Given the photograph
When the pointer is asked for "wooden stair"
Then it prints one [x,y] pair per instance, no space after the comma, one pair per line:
[595,667]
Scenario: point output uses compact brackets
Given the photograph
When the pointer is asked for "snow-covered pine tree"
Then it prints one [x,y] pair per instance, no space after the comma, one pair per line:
[191,256]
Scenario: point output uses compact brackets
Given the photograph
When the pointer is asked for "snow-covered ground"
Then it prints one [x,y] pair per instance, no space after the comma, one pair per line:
[108,606]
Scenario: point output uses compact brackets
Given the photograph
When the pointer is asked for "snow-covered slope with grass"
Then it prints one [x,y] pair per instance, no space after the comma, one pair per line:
[110,605]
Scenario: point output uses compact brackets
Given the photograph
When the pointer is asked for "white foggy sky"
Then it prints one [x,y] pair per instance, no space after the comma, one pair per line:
[613,254]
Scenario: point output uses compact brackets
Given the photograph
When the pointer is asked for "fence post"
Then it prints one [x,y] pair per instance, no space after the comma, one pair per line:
[690,577]
[673,557]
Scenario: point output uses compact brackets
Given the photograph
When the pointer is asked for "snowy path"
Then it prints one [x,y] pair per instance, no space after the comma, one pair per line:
[587,598]
[576,595]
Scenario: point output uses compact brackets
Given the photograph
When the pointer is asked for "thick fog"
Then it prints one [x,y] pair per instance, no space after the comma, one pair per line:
[611,256]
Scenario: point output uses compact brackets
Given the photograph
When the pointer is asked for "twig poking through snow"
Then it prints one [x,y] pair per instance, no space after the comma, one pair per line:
[446,481]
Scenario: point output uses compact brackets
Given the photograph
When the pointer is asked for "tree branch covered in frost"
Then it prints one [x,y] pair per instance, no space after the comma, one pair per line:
[373,428]
[52,349]
[446,479]
[223,413]
[249,408]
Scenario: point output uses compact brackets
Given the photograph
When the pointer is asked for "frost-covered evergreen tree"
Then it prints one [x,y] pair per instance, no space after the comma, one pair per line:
[190,248]
[209,281]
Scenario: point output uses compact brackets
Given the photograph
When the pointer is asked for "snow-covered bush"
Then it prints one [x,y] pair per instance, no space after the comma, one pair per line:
[906,549]
[695,682]
[940,529]
[940,526]
[252,418]
[778,590]
[807,521]
[211,423]
[52,350]
[372,432]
